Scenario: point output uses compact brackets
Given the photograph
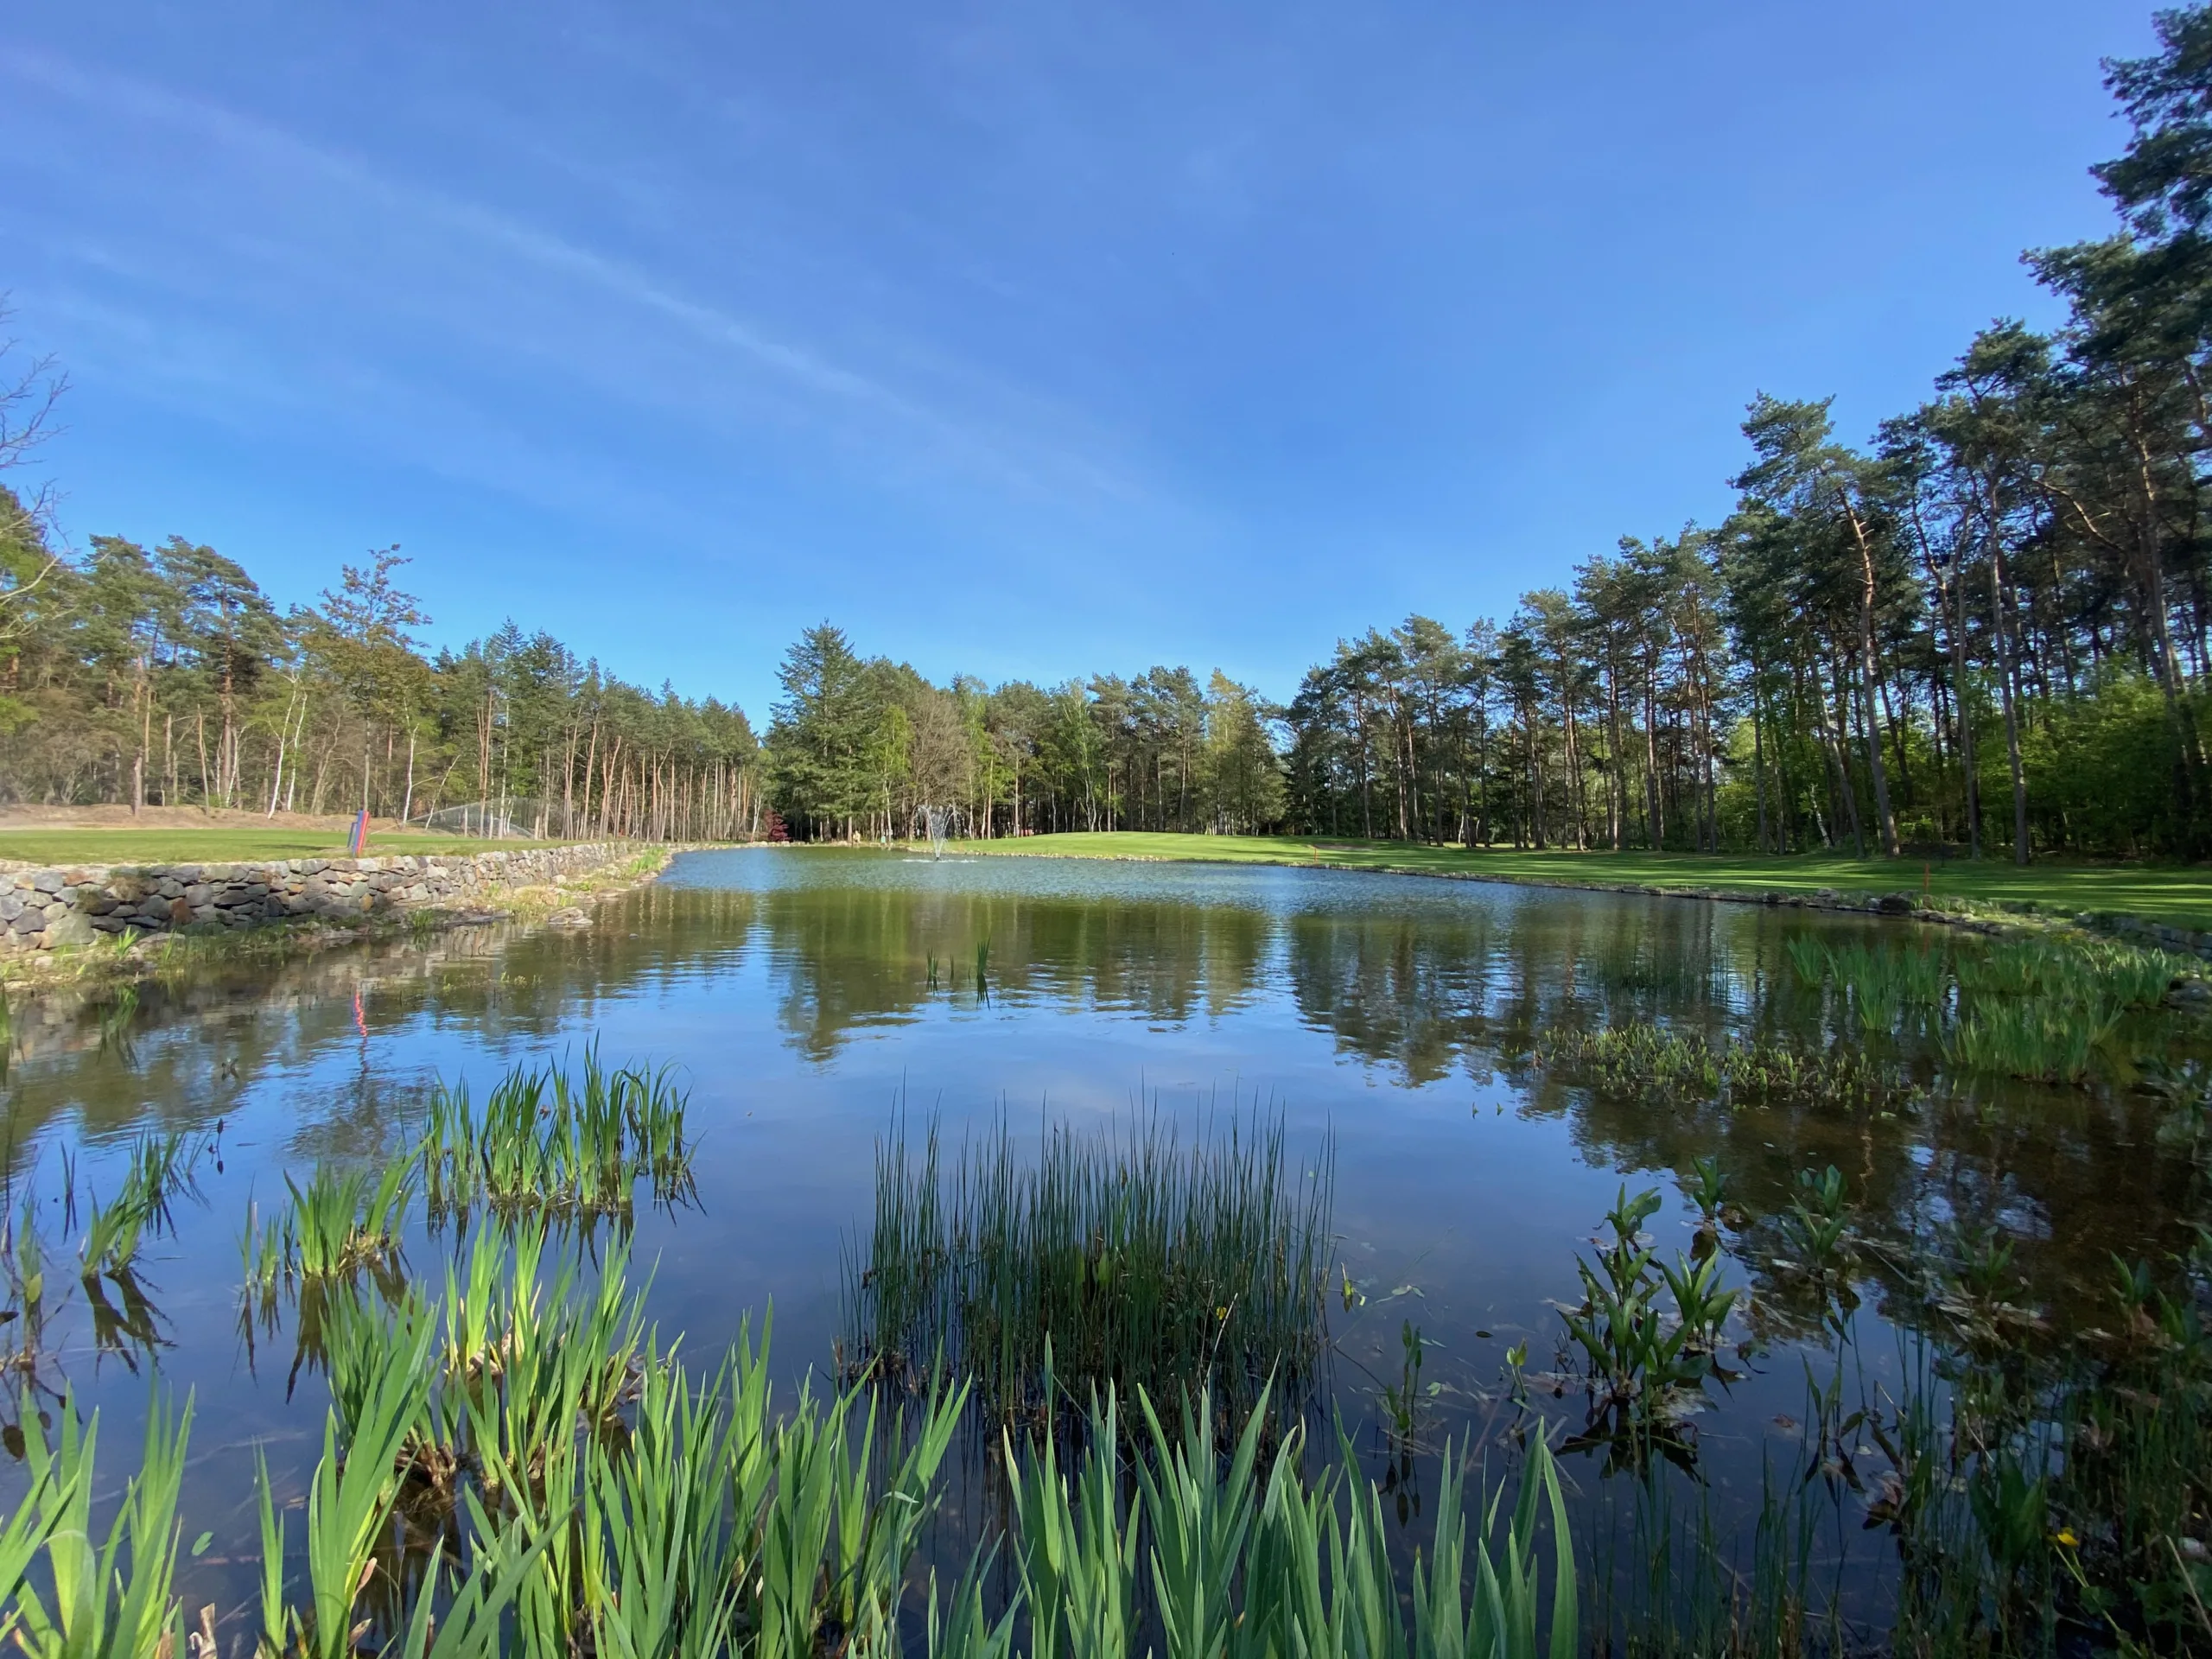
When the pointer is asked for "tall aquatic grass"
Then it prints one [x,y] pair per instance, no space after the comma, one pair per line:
[157,1169]
[2029,1008]
[160,1169]
[544,1140]
[519,1465]
[343,1221]
[1880,980]
[1649,1059]
[610,1499]
[26,1268]
[711,1523]
[2055,1043]
[1145,1262]
[98,1595]
[112,1235]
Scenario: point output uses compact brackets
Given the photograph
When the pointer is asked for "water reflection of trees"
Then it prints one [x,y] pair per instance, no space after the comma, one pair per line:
[848,958]
[196,1047]
[1417,989]
[2071,1179]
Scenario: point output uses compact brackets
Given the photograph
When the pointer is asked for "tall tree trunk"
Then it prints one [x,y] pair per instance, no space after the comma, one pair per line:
[1999,632]
[1884,818]
[1965,745]
[1654,823]
[1615,772]
[1831,742]
[1759,761]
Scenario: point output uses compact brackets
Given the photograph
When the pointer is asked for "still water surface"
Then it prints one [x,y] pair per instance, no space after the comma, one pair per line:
[804,996]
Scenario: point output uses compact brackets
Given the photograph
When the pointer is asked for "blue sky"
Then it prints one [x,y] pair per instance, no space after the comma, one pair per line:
[1020,340]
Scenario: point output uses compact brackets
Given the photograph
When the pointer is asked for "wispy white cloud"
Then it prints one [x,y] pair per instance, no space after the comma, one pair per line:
[403,250]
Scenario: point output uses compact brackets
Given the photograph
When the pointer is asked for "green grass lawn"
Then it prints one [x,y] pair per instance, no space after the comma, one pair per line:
[103,846]
[2180,895]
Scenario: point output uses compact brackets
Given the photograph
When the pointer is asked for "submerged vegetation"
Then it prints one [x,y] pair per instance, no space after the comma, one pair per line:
[2040,1500]
[1120,1260]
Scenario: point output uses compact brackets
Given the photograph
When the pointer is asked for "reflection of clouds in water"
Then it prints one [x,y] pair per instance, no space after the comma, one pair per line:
[798,1006]
[818,988]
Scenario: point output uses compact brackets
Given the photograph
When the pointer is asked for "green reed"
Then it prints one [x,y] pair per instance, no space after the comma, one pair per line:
[1650,1058]
[1150,1263]
[26,1266]
[615,1500]
[266,1252]
[546,1140]
[343,1221]
[160,1169]
[706,1522]
[2030,1008]
[596,1494]
[112,1234]
[1249,1559]
[98,1595]
[2050,1042]
[157,1169]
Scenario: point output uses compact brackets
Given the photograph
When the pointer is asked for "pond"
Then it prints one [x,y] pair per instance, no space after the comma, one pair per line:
[1404,1032]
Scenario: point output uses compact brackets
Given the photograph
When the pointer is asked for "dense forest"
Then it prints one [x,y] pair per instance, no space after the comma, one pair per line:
[167,676]
[1986,628]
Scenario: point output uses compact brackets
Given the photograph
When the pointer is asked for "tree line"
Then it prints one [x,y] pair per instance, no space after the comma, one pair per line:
[1987,627]
[870,748]
[165,676]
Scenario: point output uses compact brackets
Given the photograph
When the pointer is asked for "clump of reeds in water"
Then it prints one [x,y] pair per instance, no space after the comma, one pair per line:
[1141,1261]
[340,1221]
[1648,1058]
[544,1140]
[699,1520]
[1882,981]
[2030,1009]
[521,1467]
[2023,1007]
[2049,1042]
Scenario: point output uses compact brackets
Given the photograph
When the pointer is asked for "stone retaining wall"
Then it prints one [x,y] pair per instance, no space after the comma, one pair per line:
[40,909]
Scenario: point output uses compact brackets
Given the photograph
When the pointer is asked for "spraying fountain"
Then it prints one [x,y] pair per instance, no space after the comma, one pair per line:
[940,823]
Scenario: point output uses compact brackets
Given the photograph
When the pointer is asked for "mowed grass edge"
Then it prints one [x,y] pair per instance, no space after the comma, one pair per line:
[79,847]
[2177,895]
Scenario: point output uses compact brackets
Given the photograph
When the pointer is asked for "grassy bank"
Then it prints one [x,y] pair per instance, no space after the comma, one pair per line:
[2180,895]
[102,845]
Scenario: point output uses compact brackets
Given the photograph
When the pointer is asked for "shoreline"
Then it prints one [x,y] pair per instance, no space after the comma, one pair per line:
[1995,918]
[564,904]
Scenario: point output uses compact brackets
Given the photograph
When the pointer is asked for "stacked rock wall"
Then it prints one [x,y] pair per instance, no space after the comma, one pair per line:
[40,909]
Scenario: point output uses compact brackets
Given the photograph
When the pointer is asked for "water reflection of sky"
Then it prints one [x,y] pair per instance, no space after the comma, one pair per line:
[802,996]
